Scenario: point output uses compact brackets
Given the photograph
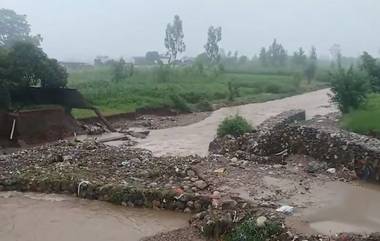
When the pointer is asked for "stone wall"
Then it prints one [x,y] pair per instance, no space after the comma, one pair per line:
[320,138]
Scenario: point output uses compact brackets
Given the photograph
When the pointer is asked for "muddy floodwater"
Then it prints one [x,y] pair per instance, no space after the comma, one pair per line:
[195,138]
[41,217]
[338,207]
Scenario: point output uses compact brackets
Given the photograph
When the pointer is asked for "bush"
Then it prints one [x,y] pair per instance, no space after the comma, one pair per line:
[204,105]
[234,126]
[179,103]
[350,89]
[249,231]
[273,88]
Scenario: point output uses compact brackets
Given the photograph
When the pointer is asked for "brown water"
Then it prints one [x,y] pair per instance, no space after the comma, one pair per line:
[338,207]
[41,217]
[195,138]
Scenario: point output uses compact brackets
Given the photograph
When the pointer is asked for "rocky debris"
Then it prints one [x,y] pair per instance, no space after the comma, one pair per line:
[96,129]
[316,166]
[320,138]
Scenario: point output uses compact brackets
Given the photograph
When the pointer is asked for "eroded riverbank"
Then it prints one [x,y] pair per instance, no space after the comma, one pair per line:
[42,217]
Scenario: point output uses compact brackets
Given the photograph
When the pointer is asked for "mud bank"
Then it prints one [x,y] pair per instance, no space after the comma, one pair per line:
[64,218]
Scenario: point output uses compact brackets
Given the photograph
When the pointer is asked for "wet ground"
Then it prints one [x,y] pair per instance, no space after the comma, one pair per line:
[41,217]
[336,207]
[195,138]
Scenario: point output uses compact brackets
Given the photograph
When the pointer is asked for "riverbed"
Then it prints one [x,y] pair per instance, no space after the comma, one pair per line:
[42,217]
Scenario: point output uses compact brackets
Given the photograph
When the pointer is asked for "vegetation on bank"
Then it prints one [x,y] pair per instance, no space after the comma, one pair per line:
[366,119]
[357,94]
[181,88]
[250,231]
[235,126]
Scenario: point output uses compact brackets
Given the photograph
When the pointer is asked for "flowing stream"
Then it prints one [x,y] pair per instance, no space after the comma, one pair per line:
[42,217]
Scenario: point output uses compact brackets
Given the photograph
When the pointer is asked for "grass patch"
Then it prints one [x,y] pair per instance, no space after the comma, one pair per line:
[249,231]
[154,87]
[365,120]
[235,126]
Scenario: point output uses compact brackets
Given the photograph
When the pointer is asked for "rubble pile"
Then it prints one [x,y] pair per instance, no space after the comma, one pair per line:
[320,138]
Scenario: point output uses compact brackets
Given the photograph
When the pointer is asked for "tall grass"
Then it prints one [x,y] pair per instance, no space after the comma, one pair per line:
[365,120]
[154,87]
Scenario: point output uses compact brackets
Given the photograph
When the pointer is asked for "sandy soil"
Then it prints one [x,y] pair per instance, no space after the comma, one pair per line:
[195,138]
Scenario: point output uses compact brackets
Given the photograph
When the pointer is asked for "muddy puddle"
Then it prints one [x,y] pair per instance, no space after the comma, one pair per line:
[336,207]
[41,217]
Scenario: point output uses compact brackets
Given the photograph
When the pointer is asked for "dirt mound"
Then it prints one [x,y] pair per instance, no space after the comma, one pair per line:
[36,126]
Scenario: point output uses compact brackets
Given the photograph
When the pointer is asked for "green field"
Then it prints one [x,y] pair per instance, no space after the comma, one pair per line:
[365,120]
[157,87]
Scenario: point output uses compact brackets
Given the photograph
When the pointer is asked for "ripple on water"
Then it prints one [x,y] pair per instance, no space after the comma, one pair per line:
[42,217]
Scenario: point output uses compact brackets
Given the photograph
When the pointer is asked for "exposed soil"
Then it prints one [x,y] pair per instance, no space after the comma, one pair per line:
[322,200]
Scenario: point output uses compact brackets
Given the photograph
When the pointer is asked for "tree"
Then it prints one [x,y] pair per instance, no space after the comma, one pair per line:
[276,54]
[153,57]
[336,54]
[119,70]
[311,67]
[174,39]
[349,89]
[28,65]
[212,45]
[263,57]
[372,68]
[53,75]
[15,28]
[299,58]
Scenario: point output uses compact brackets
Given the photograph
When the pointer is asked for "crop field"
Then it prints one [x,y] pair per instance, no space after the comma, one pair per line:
[182,88]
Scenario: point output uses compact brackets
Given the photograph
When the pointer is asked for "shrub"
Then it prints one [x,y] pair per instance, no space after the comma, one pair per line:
[162,73]
[179,103]
[249,231]
[204,105]
[350,89]
[235,126]
[273,88]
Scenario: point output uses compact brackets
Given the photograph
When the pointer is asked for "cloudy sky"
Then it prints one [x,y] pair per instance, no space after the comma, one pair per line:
[81,29]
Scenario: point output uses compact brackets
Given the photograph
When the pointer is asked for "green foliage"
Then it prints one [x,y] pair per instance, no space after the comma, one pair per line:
[350,89]
[249,231]
[372,67]
[120,70]
[15,28]
[235,126]
[366,119]
[275,55]
[179,103]
[174,39]
[162,73]
[212,45]
[151,87]
[27,65]
[204,105]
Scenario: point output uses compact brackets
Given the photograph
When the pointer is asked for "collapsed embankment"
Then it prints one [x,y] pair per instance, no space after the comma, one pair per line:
[320,138]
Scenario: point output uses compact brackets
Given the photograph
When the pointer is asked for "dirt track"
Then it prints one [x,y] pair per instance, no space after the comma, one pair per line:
[195,138]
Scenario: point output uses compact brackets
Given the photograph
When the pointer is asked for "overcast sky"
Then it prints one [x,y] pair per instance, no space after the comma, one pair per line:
[81,29]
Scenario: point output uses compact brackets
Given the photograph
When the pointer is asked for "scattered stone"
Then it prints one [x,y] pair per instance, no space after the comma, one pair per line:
[285,209]
[201,184]
[331,170]
[220,171]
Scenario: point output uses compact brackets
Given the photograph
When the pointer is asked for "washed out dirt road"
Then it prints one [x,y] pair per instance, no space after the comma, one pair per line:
[195,138]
